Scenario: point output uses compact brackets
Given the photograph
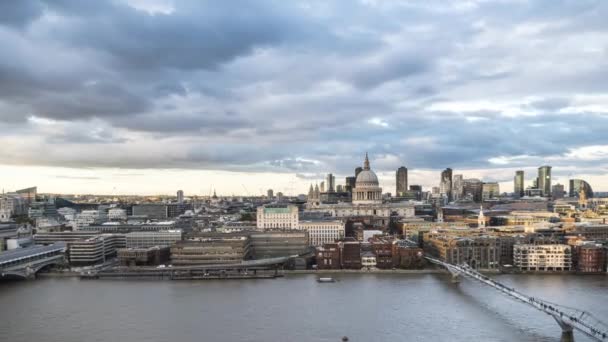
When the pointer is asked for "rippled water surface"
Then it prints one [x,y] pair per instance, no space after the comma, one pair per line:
[365,307]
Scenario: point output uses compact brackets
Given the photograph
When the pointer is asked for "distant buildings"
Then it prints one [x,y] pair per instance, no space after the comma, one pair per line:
[445,185]
[490,190]
[518,184]
[578,185]
[401,181]
[330,183]
[180,196]
[557,191]
[270,194]
[458,187]
[151,210]
[473,189]
[544,180]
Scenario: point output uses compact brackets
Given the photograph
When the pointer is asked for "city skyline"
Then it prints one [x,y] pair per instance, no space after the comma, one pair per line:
[297,91]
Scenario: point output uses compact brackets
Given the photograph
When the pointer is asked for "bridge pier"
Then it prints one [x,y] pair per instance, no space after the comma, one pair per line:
[567,330]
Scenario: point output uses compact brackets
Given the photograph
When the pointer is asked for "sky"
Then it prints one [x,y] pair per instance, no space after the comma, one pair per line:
[151,96]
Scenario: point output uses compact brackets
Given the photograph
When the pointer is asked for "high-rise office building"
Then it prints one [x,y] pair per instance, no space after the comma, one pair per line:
[445,186]
[180,196]
[557,191]
[357,170]
[322,186]
[330,182]
[518,183]
[401,177]
[270,194]
[490,190]
[473,189]
[544,180]
[576,185]
[457,187]
[350,184]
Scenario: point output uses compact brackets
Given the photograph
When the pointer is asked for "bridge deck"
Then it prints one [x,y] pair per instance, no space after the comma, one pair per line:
[19,254]
[567,317]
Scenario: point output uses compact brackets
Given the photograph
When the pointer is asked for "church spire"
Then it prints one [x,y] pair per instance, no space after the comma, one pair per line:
[366,163]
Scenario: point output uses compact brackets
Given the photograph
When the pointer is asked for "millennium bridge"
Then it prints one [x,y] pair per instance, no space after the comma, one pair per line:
[569,319]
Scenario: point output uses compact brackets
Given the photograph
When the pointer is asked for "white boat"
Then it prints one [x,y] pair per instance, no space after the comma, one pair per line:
[326,280]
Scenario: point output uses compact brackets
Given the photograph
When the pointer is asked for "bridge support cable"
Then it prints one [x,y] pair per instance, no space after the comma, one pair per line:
[568,318]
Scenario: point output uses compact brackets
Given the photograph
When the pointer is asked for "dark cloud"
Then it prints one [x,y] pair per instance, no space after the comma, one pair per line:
[301,87]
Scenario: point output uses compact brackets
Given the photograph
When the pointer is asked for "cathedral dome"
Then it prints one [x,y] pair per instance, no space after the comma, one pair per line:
[366,178]
[367,188]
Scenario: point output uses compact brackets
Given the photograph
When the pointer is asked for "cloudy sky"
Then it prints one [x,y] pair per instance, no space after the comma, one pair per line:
[148,96]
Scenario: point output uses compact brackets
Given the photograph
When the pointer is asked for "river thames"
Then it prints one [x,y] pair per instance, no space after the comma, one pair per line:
[364,307]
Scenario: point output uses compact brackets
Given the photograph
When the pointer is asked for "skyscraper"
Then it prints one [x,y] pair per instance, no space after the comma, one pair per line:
[473,189]
[180,196]
[330,182]
[544,180]
[357,170]
[576,185]
[445,186]
[401,176]
[518,183]
[270,193]
[557,191]
[490,190]
[349,184]
[457,187]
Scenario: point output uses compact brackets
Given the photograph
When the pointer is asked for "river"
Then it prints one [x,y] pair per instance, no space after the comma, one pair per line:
[364,307]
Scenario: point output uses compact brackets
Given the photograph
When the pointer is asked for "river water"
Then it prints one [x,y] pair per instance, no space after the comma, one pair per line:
[364,307]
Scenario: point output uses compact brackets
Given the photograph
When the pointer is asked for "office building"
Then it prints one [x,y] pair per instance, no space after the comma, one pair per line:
[149,239]
[94,250]
[554,257]
[277,216]
[518,184]
[578,185]
[270,194]
[557,191]
[473,189]
[323,231]
[490,190]
[143,256]
[401,181]
[180,196]
[49,238]
[151,211]
[349,184]
[544,180]
[458,187]
[330,182]
[89,217]
[117,214]
[358,170]
[211,250]
[445,185]
[272,244]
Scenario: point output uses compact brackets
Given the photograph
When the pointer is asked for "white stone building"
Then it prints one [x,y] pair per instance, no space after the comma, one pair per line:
[88,217]
[117,214]
[323,231]
[277,216]
[542,257]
